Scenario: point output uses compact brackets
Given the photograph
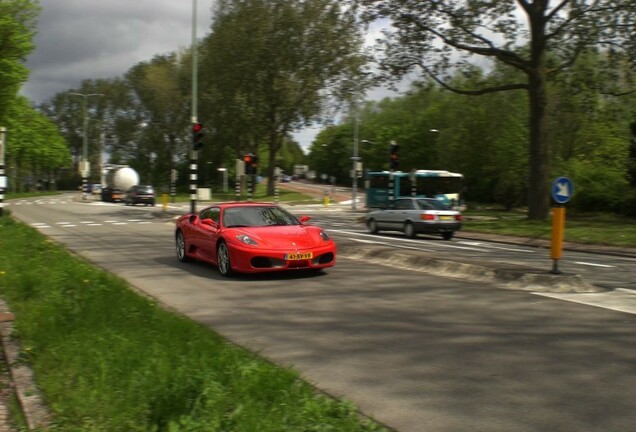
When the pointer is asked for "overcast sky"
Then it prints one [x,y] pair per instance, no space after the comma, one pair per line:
[93,39]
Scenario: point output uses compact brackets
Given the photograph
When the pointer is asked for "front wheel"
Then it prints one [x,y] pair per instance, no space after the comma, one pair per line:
[223,260]
[181,248]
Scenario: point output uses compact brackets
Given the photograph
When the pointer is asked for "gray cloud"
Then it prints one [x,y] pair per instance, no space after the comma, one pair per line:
[96,39]
[93,39]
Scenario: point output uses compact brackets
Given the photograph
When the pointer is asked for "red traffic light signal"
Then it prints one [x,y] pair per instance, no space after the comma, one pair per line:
[197,136]
[394,156]
[251,163]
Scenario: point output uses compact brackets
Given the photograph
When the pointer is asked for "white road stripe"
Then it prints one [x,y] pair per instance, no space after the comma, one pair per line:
[620,299]
[407,240]
[492,246]
[593,264]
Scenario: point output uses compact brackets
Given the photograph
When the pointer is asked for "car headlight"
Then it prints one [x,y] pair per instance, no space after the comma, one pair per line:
[246,239]
[324,235]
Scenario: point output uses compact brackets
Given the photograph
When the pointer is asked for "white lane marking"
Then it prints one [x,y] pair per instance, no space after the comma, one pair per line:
[492,246]
[86,222]
[37,224]
[94,224]
[68,226]
[62,223]
[419,242]
[620,299]
[120,223]
[593,264]
[110,221]
[133,220]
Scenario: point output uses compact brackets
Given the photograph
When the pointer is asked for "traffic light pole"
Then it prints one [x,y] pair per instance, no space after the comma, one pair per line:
[355,159]
[3,178]
[194,152]
[394,163]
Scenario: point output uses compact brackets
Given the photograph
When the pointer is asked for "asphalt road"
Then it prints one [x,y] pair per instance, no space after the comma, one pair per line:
[416,352]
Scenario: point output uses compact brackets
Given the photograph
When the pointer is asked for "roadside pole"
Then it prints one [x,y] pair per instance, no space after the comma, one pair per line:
[562,190]
[277,174]
[3,177]
[558,228]
[240,171]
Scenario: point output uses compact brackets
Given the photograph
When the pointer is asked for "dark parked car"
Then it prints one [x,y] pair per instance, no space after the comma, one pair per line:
[140,194]
[416,215]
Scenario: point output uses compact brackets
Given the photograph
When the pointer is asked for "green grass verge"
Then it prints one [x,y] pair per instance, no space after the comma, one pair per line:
[109,359]
[589,228]
[259,194]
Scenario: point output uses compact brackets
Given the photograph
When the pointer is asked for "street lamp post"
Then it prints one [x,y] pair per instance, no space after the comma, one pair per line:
[84,165]
[355,158]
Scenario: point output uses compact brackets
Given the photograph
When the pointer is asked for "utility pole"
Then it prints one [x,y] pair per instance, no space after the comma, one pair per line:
[84,165]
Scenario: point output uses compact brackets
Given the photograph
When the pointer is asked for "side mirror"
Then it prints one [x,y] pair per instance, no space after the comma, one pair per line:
[304,219]
[209,222]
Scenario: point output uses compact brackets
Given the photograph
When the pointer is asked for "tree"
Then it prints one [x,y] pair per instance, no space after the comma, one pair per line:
[17,23]
[269,68]
[163,96]
[440,37]
[35,149]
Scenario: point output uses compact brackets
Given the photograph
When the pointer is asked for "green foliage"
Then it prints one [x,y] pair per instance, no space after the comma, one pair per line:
[35,148]
[486,138]
[598,186]
[534,47]
[17,24]
[270,67]
[108,359]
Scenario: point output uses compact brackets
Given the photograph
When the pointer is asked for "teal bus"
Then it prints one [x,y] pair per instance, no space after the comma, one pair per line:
[446,186]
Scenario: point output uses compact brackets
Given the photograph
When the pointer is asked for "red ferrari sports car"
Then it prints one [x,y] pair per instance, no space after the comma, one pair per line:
[250,237]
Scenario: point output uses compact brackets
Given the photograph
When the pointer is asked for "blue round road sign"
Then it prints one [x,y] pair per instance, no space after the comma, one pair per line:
[562,190]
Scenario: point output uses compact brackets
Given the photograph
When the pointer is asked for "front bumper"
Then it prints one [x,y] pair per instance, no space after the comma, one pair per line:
[247,259]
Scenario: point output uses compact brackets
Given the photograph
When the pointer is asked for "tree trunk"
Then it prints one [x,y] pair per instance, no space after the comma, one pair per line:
[539,191]
[539,187]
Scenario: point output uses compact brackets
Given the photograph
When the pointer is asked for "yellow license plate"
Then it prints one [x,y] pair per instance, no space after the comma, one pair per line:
[299,256]
[445,218]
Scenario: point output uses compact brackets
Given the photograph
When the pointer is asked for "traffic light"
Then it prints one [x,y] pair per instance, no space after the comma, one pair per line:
[394,156]
[251,163]
[197,136]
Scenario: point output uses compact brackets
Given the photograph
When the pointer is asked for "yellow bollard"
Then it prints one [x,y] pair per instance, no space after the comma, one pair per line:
[164,201]
[326,200]
[558,228]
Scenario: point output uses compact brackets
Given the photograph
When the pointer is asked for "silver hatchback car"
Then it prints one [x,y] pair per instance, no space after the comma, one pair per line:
[415,215]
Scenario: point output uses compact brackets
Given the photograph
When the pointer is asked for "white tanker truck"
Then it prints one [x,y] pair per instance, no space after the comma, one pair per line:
[116,180]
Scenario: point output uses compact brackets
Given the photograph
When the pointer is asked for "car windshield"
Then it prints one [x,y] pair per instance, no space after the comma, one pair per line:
[144,189]
[431,204]
[256,216]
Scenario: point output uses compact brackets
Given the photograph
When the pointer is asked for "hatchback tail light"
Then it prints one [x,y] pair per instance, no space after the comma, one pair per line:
[426,216]
[458,217]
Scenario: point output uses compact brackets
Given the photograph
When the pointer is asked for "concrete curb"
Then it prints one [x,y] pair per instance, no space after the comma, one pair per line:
[35,412]
[504,276]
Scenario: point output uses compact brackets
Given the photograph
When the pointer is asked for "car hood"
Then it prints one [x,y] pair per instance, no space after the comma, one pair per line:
[283,237]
